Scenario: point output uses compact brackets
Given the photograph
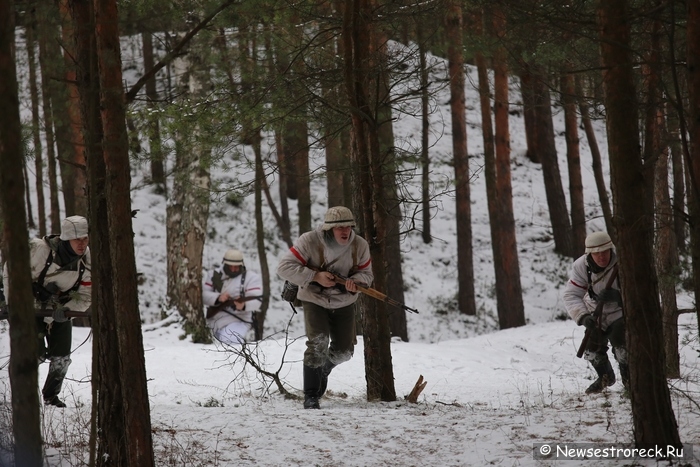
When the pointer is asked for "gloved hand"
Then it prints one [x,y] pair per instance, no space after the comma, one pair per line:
[610,296]
[59,314]
[589,322]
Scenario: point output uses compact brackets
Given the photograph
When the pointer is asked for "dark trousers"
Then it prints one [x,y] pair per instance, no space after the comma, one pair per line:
[330,334]
[597,346]
[54,341]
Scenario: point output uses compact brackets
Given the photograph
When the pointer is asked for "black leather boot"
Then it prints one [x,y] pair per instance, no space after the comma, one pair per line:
[606,377]
[325,371]
[312,386]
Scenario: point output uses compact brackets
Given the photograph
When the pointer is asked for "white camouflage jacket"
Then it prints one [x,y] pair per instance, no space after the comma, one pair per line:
[63,279]
[311,249]
[576,296]
[252,288]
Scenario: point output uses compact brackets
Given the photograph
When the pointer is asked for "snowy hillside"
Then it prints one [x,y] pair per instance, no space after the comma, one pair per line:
[491,395]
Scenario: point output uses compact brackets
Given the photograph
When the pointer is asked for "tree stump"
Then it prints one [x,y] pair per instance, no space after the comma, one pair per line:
[417,389]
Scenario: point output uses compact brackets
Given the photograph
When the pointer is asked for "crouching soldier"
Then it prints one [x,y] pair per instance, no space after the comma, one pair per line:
[329,308]
[585,289]
[60,267]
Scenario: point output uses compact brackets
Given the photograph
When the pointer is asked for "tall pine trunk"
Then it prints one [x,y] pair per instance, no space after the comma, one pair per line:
[596,160]
[652,414]
[23,372]
[692,156]
[132,364]
[36,128]
[465,264]
[509,294]
[358,67]
[573,157]
[547,153]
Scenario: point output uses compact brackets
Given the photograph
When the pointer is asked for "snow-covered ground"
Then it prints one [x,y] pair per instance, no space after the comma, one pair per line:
[492,397]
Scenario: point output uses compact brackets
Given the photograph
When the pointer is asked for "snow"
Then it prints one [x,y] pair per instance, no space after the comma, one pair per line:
[492,397]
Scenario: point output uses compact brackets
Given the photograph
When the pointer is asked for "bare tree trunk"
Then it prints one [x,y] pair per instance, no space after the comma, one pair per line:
[573,157]
[36,128]
[425,133]
[679,217]
[108,445]
[70,123]
[28,198]
[527,92]
[653,419]
[23,347]
[132,365]
[509,294]
[188,211]
[156,157]
[465,263]
[597,165]
[54,75]
[666,260]
[357,37]
[692,159]
[55,215]
[556,201]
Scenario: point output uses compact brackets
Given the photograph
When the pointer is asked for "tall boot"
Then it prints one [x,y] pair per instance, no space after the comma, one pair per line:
[606,377]
[54,381]
[325,371]
[625,375]
[312,386]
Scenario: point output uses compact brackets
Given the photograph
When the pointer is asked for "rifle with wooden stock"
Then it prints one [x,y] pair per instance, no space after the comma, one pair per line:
[339,279]
[597,313]
[212,310]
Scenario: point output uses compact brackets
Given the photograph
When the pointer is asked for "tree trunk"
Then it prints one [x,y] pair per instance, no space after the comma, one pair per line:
[653,419]
[36,128]
[23,348]
[188,210]
[667,261]
[357,36]
[692,156]
[547,153]
[679,217]
[28,198]
[596,164]
[132,365]
[465,266]
[153,124]
[70,122]
[425,133]
[573,157]
[43,36]
[527,92]
[509,294]
[108,424]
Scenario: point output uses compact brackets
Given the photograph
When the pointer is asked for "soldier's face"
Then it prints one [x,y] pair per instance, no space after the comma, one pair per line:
[342,234]
[79,245]
[602,258]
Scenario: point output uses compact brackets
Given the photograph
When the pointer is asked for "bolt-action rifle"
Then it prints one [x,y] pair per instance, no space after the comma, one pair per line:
[339,279]
[597,314]
[47,312]
[212,310]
